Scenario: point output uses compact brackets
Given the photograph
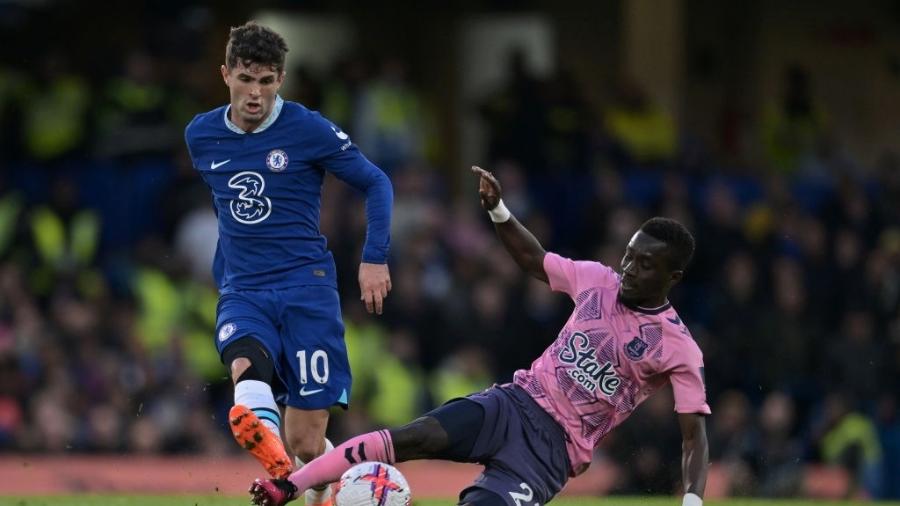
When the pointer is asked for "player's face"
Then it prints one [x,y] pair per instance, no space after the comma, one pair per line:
[253,90]
[646,277]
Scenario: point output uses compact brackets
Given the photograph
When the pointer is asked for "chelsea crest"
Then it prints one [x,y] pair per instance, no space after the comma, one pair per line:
[276,160]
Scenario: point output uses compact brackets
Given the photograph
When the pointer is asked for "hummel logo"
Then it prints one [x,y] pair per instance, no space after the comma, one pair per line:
[676,320]
[214,165]
[304,392]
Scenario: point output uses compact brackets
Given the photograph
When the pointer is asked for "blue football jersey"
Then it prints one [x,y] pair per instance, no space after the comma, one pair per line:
[267,189]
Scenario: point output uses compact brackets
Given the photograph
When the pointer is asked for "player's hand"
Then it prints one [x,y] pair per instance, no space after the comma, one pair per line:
[488,188]
[374,285]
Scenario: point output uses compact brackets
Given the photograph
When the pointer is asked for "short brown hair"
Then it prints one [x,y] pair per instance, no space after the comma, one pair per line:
[253,43]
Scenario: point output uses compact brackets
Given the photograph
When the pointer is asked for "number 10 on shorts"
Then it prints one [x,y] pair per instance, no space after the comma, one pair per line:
[317,367]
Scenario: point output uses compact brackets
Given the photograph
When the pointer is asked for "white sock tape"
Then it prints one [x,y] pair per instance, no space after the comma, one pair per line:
[691,500]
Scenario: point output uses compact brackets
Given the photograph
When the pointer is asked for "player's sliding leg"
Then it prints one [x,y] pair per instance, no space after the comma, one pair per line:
[447,433]
[325,469]
[254,419]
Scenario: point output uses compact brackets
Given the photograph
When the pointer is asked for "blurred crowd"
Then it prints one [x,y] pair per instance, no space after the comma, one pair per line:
[107,308]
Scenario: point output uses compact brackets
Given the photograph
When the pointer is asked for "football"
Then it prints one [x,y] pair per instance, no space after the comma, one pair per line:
[373,484]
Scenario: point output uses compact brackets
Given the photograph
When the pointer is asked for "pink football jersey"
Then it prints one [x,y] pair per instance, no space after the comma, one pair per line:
[608,358]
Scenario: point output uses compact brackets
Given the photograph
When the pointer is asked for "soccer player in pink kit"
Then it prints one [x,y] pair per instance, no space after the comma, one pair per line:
[621,343]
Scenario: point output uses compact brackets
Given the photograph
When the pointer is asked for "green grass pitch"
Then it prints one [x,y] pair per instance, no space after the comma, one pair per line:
[188,500]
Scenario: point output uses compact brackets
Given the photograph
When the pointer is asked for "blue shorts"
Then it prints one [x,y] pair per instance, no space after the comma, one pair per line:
[303,332]
[522,448]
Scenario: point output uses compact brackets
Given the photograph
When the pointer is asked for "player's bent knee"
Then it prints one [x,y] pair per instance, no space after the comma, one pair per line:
[306,448]
[248,360]
[306,455]
[238,367]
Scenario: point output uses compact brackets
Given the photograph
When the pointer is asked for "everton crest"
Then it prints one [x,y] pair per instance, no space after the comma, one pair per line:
[635,349]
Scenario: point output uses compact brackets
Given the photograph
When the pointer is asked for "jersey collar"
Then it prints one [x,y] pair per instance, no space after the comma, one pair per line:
[646,310]
[276,110]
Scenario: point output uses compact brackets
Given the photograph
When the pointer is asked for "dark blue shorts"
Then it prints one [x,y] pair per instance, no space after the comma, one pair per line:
[522,448]
[303,331]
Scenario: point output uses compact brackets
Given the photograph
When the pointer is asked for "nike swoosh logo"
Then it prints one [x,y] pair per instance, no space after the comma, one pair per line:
[304,392]
[676,320]
[340,134]
[215,165]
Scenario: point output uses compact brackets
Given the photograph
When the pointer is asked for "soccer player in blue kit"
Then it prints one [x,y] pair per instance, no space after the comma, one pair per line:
[278,322]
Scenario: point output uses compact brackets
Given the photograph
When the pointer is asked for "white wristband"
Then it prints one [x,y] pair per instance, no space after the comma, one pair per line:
[499,214]
[691,500]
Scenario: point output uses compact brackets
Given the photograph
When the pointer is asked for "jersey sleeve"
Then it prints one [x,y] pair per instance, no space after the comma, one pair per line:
[687,379]
[333,150]
[574,276]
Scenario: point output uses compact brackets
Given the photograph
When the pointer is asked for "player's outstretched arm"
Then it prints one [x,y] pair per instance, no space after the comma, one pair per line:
[694,457]
[525,249]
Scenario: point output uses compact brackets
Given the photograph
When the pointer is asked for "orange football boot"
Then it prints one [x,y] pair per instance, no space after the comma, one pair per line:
[256,438]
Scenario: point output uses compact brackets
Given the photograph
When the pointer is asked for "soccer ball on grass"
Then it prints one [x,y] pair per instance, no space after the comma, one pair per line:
[373,484]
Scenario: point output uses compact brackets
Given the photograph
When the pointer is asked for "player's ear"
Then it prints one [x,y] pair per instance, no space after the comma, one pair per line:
[224,70]
[280,79]
[675,276]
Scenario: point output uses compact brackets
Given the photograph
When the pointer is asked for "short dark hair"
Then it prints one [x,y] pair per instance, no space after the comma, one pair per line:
[253,43]
[676,236]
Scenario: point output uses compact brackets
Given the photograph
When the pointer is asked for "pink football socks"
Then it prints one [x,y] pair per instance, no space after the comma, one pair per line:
[328,468]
